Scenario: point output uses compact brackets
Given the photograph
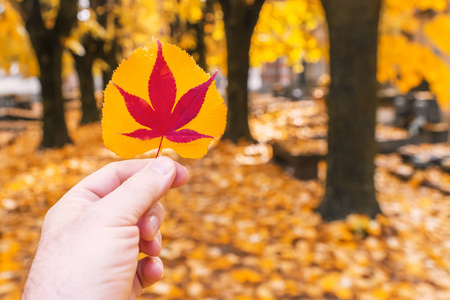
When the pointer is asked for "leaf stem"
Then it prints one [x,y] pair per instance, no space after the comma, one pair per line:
[159,148]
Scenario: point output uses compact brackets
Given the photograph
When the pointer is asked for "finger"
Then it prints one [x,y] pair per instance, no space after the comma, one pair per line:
[153,247]
[182,176]
[150,222]
[149,271]
[107,179]
[128,202]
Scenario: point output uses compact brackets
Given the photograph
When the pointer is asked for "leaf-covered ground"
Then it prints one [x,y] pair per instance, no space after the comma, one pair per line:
[241,229]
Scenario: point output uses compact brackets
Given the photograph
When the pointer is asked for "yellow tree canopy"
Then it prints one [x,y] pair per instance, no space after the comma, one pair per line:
[413,44]
[140,21]
[285,28]
[178,14]
[16,46]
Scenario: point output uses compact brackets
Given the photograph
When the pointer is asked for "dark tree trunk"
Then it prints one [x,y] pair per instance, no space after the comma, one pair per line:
[179,27]
[54,125]
[48,47]
[106,76]
[89,108]
[207,20]
[201,47]
[240,20]
[176,30]
[95,47]
[110,57]
[110,53]
[352,102]
[199,52]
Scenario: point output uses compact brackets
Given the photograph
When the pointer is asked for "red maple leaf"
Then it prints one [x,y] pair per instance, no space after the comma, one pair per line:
[162,119]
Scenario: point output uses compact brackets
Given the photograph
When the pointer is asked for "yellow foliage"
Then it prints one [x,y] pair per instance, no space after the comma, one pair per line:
[246,275]
[188,41]
[185,10]
[438,30]
[285,28]
[344,293]
[68,64]
[92,27]
[330,281]
[16,46]
[406,57]
[8,250]
[405,64]
[99,66]
[215,41]
[191,10]
[140,20]
[261,203]
[398,6]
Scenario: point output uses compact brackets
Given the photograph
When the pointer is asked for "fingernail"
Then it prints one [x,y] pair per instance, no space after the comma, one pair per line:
[161,267]
[159,238]
[158,265]
[163,165]
[154,224]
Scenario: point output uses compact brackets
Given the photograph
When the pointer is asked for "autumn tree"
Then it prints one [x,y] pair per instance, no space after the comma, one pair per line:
[186,25]
[95,38]
[84,60]
[240,17]
[47,36]
[351,104]
[414,46]
[111,49]
[283,29]
[16,46]
[140,20]
[286,29]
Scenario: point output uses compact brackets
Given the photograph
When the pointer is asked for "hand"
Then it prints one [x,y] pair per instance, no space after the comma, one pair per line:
[92,237]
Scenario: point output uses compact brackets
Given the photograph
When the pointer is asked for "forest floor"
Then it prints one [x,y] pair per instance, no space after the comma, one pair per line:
[242,228]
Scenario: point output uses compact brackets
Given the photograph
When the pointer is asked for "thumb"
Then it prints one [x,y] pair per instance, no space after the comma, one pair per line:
[133,197]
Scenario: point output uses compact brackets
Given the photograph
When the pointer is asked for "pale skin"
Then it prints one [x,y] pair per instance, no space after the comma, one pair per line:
[92,236]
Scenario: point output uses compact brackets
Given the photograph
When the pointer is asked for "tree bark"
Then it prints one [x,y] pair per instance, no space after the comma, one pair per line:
[54,127]
[89,110]
[200,48]
[352,102]
[48,47]
[109,54]
[94,47]
[110,57]
[240,19]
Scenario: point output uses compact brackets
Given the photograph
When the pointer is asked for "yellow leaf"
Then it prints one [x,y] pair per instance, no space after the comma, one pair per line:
[246,275]
[329,282]
[128,110]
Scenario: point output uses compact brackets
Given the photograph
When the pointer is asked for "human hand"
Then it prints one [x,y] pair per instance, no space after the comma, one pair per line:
[92,237]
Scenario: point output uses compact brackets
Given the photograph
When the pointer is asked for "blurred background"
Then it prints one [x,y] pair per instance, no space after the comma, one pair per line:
[332,180]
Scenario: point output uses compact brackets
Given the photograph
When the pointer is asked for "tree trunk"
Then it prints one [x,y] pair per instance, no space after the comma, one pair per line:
[352,102]
[240,20]
[48,47]
[89,108]
[110,58]
[238,48]
[200,45]
[95,47]
[49,54]
[109,55]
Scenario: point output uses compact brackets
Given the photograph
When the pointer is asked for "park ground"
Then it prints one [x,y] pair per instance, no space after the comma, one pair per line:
[242,228]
